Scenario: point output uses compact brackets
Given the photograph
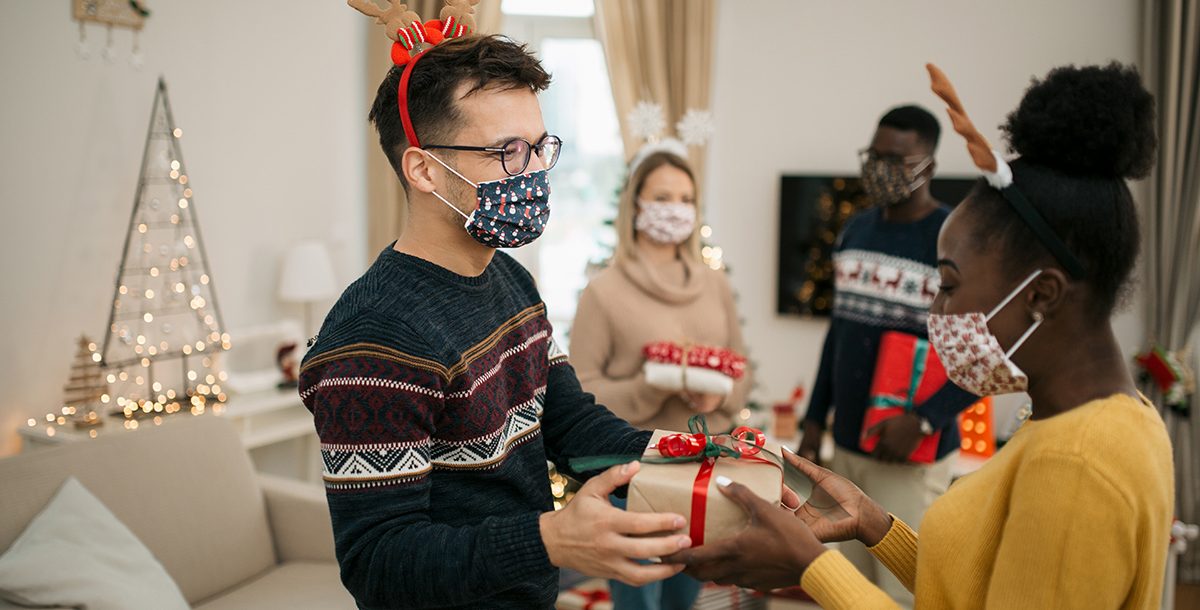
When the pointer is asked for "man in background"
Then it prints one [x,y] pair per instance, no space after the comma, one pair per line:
[886,279]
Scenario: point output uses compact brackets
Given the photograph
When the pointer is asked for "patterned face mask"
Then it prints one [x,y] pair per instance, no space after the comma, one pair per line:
[888,182]
[972,355]
[510,212]
[666,222]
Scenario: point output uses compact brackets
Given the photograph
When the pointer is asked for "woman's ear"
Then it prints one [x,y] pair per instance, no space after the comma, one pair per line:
[419,170]
[1049,292]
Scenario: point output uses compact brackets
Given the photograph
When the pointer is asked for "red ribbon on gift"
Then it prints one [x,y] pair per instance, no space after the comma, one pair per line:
[745,443]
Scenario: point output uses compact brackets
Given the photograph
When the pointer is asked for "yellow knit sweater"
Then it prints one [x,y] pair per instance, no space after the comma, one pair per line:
[1074,512]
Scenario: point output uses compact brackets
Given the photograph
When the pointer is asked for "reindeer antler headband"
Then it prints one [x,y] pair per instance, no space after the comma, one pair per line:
[407,31]
[998,173]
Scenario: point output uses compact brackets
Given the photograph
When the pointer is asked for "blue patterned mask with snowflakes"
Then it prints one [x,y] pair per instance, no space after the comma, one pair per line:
[510,212]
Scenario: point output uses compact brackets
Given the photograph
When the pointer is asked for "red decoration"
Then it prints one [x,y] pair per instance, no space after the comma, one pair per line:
[719,359]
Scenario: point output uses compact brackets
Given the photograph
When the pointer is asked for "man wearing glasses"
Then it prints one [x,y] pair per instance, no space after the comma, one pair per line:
[435,384]
[886,278]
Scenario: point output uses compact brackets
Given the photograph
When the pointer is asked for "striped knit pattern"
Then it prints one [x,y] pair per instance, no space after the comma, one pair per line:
[885,279]
[438,400]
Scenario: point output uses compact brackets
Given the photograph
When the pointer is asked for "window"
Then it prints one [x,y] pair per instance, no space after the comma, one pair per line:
[579,108]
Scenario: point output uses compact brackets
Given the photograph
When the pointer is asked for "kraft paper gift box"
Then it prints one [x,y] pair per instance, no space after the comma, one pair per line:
[690,488]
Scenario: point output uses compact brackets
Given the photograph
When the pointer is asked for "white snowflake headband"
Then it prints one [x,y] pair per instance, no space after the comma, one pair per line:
[647,121]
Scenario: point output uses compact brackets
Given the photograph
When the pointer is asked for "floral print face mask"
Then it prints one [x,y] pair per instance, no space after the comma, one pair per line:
[972,355]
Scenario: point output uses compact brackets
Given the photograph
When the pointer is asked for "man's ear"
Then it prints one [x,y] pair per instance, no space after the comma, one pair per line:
[419,170]
[1049,292]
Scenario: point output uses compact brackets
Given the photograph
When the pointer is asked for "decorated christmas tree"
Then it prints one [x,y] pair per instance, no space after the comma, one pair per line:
[165,329]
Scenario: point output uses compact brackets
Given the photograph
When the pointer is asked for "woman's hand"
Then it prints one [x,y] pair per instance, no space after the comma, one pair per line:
[703,403]
[773,551]
[859,518]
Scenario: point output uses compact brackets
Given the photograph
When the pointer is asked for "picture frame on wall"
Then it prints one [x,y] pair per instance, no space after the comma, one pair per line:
[813,209]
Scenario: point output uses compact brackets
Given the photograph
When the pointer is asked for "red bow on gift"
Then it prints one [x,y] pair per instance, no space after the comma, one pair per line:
[743,443]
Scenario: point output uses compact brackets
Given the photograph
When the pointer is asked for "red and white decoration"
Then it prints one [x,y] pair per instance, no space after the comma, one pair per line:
[694,368]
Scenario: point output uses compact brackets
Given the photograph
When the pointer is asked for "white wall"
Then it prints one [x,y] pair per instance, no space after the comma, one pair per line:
[271,97]
[800,85]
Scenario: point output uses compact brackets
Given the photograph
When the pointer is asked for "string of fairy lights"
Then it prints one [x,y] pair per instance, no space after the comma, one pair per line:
[159,356]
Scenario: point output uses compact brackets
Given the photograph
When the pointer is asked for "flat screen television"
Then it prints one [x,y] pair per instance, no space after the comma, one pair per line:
[812,211]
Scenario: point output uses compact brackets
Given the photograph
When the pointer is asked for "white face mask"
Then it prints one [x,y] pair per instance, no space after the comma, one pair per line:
[972,355]
[666,222]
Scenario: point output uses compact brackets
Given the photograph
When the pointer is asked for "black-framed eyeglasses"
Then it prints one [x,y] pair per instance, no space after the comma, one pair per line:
[515,153]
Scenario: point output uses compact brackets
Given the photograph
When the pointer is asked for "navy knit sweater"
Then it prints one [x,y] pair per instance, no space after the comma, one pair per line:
[886,279]
[438,400]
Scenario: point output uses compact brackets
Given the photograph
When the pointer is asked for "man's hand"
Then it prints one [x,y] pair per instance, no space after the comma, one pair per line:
[593,537]
[898,437]
[810,443]
[771,552]
[703,403]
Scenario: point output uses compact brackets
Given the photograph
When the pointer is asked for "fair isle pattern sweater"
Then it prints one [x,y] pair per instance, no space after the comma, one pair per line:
[885,279]
[438,400]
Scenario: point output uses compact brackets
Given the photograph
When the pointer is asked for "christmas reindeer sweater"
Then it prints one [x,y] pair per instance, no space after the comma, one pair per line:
[885,279]
[438,400]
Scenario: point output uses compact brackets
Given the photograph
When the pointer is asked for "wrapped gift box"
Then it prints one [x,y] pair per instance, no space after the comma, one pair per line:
[689,488]
[907,373]
[590,595]
[695,368]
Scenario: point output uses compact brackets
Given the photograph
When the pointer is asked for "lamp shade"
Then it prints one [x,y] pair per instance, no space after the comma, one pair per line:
[307,274]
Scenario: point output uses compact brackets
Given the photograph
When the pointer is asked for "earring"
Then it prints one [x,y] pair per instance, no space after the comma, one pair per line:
[1037,316]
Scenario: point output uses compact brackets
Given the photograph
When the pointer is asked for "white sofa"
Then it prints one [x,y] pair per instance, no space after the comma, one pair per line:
[230,538]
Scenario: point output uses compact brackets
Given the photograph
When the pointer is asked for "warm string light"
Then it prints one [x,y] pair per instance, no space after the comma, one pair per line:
[160,295]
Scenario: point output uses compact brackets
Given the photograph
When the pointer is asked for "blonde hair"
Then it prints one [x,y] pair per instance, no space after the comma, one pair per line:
[627,206]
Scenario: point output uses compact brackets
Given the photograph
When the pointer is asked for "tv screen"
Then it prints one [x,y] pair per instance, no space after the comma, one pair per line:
[812,211]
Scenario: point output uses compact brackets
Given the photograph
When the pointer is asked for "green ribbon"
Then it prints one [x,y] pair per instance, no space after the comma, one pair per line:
[914,382]
[697,424]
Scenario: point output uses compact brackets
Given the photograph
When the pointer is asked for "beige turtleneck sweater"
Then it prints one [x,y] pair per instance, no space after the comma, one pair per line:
[632,303]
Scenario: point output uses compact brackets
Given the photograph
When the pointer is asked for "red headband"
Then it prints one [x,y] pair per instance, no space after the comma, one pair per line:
[402,102]
[431,33]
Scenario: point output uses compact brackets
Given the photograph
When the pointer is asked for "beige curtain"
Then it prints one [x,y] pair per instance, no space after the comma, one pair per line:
[386,204]
[658,51]
[1171,68]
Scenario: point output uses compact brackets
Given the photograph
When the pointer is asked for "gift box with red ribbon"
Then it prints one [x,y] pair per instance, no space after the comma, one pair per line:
[696,368]
[590,595]
[907,373]
[679,471]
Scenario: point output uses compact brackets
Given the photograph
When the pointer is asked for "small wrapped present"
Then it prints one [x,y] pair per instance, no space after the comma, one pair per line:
[589,595]
[679,471]
[907,373]
[695,368]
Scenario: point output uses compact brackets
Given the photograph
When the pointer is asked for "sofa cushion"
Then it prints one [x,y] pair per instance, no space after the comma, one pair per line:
[292,586]
[186,489]
[76,553]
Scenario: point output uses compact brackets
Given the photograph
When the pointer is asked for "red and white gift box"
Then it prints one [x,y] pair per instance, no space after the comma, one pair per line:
[694,368]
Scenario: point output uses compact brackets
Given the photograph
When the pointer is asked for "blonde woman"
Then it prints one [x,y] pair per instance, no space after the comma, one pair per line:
[656,289]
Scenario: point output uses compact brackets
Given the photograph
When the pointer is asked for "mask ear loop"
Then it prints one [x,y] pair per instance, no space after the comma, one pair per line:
[443,199]
[922,166]
[1037,315]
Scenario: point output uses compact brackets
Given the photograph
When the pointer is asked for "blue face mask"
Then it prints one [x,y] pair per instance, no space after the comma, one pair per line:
[510,212]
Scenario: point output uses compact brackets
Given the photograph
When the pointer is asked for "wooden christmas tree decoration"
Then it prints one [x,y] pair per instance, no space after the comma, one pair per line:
[165,328]
[85,391]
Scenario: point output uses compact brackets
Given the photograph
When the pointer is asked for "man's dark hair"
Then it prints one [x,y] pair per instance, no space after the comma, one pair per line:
[914,118]
[482,62]
[1081,133]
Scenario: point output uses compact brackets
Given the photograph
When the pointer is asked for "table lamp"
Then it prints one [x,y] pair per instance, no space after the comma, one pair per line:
[307,278]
